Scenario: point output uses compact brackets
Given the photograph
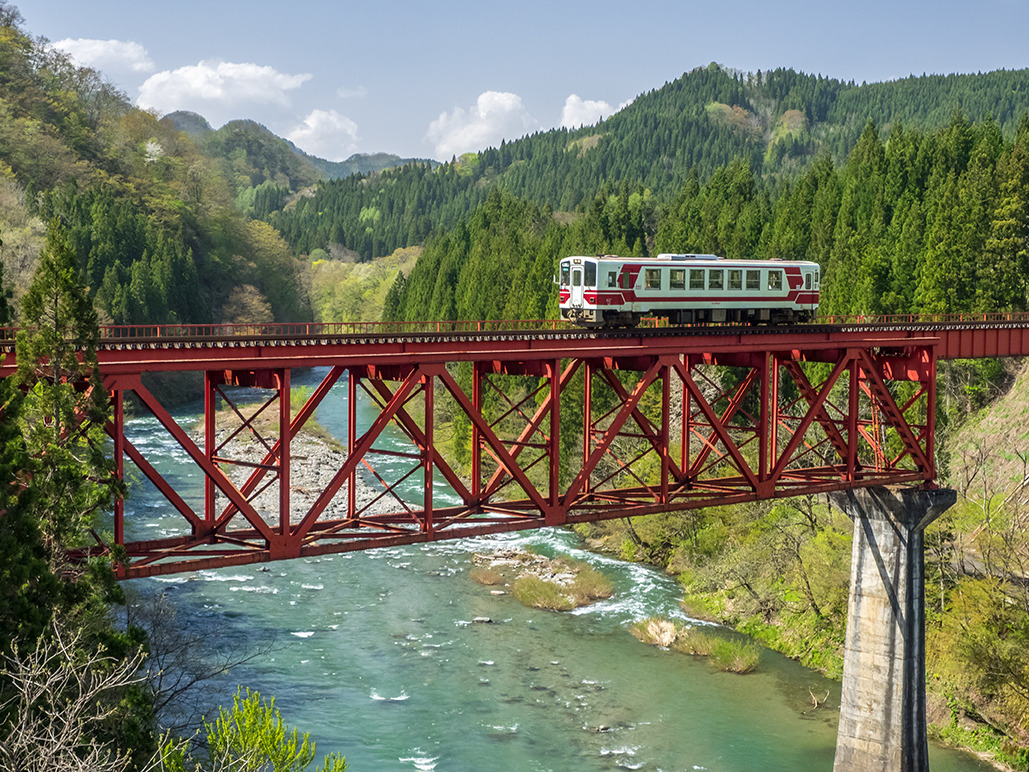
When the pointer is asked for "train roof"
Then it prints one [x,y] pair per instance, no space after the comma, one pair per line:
[671,257]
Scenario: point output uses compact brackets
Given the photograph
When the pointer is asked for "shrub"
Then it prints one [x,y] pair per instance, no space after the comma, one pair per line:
[589,585]
[733,655]
[692,640]
[537,593]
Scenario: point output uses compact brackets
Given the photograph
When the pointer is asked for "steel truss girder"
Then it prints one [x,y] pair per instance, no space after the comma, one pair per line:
[660,433]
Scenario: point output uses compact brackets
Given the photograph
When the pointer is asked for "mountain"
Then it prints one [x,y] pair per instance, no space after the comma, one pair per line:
[778,121]
[260,144]
[359,163]
[150,216]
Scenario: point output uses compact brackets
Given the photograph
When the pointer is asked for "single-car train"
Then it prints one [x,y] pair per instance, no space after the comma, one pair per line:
[612,291]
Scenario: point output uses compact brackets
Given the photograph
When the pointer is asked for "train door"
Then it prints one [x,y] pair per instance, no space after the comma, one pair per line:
[576,290]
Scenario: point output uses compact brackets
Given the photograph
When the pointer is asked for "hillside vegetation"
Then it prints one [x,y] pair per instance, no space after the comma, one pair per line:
[779,122]
[152,218]
[933,221]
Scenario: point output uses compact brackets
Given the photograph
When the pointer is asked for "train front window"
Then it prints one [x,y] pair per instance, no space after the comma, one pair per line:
[753,280]
[716,280]
[591,274]
[565,274]
[736,279]
[576,278]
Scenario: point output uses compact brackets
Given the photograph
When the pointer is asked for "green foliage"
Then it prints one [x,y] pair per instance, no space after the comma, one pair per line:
[150,218]
[735,655]
[250,737]
[343,291]
[63,423]
[686,130]
[534,592]
[60,483]
[587,585]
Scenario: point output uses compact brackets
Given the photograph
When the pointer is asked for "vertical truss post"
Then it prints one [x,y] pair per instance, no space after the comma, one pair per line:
[429,452]
[554,444]
[930,417]
[210,405]
[477,376]
[768,421]
[587,419]
[853,406]
[684,450]
[351,440]
[284,448]
[666,391]
[118,398]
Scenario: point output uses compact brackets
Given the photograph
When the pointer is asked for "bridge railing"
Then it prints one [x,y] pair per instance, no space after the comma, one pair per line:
[995,317]
[317,329]
[311,330]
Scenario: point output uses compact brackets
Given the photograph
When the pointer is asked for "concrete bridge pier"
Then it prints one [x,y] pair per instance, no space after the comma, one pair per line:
[882,711]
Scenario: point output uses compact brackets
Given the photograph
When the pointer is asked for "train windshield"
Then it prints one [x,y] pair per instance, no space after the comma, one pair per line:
[565,273]
[591,274]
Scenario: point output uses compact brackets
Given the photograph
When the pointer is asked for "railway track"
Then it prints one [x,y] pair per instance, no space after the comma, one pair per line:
[166,337]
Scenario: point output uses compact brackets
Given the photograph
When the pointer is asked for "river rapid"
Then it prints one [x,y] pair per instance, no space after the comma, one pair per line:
[398,660]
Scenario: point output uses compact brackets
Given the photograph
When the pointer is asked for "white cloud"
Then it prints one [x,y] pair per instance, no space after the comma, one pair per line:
[326,134]
[583,112]
[107,55]
[220,91]
[496,115]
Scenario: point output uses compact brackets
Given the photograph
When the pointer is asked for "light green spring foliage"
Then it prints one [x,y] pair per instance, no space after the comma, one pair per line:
[251,737]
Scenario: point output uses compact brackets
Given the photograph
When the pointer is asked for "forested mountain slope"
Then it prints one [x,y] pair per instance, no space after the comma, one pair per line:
[151,217]
[778,121]
[932,221]
[265,170]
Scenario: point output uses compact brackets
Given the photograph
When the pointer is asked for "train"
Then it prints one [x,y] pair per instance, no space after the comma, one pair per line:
[612,291]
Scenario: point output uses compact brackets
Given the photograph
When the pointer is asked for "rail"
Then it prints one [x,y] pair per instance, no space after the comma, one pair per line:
[155,333]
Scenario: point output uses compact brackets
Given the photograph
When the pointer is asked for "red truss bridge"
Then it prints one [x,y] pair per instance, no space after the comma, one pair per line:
[561,425]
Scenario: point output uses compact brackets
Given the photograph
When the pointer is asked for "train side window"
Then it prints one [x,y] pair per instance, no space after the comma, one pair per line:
[753,280]
[611,278]
[807,281]
[677,279]
[735,279]
[653,278]
[565,274]
[816,278]
[716,280]
[775,280]
[696,278]
[627,280]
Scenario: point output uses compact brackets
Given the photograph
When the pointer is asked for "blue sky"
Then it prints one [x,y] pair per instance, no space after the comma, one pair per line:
[437,79]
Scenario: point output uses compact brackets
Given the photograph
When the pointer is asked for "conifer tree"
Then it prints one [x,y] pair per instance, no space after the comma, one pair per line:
[67,483]
[66,405]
